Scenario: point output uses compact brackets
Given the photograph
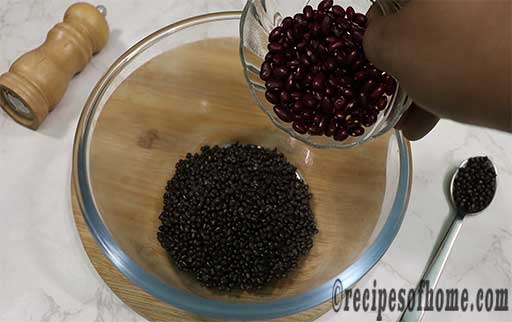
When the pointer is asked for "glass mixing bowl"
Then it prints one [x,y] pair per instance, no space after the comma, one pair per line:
[259,18]
[183,87]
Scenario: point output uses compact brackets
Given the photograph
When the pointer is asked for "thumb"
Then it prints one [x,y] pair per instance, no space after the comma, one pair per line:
[381,41]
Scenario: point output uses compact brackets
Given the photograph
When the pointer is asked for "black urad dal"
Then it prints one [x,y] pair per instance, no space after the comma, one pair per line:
[236,217]
[475,185]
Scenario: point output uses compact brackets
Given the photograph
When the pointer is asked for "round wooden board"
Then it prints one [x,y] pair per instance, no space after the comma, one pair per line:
[140,301]
[134,131]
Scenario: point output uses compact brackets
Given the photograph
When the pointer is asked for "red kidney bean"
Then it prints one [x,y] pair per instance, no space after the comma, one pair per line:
[299,18]
[308,79]
[390,86]
[316,130]
[327,106]
[317,118]
[296,96]
[339,43]
[340,56]
[307,114]
[349,44]
[345,81]
[300,73]
[280,72]
[326,25]
[265,71]
[341,134]
[293,63]
[330,63]
[334,81]
[284,96]
[268,56]
[350,12]
[360,75]
[363,100]
[304,60]
[298,107]
[330,39]
[331,128]
[347,92]
[316,69]
[275,47]
[308,12]
[297,117]
[318,96]
[374,72]
[368,86]
[330,91]
[340,104]
[322,123]
[319,15]
[325,5]
[356,131]
[360,19]
[316,29]
[290,82]
[282,113]
[352,57]
[275,34]
[369,119]
[309,100]
[272,97]
[300,127]
[318,81]
[357,65]
[273,85]
[350,105]
[290,35]
[287,22]
[338,11]
[382,102]
[339,115]
[278,59]
[301,46]
[343,24]
[377,92]
[358,35]
[322,49]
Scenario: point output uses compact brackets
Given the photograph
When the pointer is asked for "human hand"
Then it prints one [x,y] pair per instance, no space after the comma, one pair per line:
[453,58]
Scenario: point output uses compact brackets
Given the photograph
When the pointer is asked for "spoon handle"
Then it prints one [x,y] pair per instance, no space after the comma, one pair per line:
[433,272]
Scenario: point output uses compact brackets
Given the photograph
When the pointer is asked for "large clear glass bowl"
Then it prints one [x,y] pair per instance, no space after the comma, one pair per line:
[259,18]
[183,87]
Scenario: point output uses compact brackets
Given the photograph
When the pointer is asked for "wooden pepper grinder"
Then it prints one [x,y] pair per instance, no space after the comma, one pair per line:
[38,79]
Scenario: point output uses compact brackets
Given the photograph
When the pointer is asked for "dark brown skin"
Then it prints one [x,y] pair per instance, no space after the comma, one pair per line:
[452,57]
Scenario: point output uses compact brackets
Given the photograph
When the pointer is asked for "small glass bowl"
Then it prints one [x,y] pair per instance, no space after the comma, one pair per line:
[259,18]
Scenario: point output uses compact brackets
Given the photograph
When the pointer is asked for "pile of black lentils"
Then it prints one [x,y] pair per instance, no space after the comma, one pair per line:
[475,185]
[236,217]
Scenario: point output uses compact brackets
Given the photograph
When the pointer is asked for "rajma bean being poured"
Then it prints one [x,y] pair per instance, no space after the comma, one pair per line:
[317,75]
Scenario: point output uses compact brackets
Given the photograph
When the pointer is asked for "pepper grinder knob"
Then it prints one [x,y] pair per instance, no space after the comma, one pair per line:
[37,80]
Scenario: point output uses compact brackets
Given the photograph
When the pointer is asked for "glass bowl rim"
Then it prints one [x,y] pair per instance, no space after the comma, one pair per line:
[187,301]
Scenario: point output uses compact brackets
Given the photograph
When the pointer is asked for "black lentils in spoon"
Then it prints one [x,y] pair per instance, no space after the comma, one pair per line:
[474,185]
[236,217]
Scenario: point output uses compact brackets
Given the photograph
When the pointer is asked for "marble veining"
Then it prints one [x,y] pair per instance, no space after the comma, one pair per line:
[45,274]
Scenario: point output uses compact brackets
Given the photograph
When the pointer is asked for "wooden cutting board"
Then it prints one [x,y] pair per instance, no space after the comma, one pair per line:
[138,139]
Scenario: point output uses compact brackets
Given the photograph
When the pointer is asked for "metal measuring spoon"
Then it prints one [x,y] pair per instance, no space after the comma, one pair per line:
[436,264]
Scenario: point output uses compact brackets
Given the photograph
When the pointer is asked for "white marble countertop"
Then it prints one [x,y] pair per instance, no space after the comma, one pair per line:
[45,274]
